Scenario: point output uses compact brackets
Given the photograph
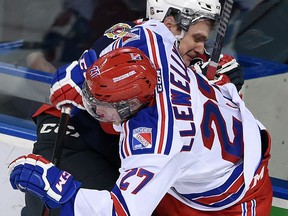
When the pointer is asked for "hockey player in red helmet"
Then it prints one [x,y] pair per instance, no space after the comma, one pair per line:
[118,84]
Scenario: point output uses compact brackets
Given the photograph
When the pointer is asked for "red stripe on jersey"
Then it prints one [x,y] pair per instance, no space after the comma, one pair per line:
[125,143]
[153,49]
[162,124]
[115,44]
[232,189]
[118,206]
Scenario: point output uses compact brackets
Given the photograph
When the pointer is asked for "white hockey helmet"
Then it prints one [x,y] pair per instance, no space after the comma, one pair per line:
[187,11]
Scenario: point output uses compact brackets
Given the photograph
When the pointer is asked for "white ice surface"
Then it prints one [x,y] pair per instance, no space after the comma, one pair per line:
[11,201]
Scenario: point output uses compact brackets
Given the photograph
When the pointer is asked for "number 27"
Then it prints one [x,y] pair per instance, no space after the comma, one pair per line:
[140,172]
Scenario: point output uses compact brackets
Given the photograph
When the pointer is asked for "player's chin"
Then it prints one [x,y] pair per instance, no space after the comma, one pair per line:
[187,60]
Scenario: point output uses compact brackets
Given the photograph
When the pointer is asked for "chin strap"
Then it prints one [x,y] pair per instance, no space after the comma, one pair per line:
[179,37]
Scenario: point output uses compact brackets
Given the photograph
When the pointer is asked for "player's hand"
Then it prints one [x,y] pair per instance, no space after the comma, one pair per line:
[228,71]
[67,81]
[34,174]
[229,67]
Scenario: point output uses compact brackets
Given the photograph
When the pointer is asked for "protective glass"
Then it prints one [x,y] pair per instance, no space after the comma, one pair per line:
[93,107]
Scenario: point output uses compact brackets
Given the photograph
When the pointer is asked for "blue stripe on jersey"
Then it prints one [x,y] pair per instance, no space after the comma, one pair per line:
[113,211]
[229,199]
[122,150]
[116,191]
[166,81]
[244,208]
[144,43]
[253,207]
[238,172]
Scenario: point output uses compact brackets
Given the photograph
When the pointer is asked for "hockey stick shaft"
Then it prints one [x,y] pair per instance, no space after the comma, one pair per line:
[59,142]
[223,24]
[63,123]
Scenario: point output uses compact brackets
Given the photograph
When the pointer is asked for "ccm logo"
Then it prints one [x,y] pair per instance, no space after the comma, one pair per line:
[62,181]
[47,128]
[159,81]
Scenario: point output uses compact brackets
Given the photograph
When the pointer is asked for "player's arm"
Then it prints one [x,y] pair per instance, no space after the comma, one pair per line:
[67,81]
[140,173]
[47,127]
[57,188]
[137,192]
[36,175]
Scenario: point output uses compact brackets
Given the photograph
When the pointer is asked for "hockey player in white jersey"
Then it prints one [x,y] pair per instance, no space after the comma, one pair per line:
[104,146]
[179,134]
[196,141]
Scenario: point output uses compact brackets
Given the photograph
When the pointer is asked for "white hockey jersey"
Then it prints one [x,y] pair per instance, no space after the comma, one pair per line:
[198,142]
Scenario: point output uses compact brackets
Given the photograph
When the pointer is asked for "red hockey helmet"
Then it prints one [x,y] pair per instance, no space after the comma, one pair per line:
[119,76]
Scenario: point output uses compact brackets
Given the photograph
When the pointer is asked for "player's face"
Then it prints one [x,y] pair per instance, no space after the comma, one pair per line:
[192,44]
[102,111]
[108,114]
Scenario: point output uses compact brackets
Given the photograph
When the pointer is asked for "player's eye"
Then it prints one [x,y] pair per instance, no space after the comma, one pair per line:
[199,39]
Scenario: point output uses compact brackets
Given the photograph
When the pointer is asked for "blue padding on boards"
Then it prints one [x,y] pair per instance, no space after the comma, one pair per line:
[25,73]
[17,127]
[280,188]
[257,68]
